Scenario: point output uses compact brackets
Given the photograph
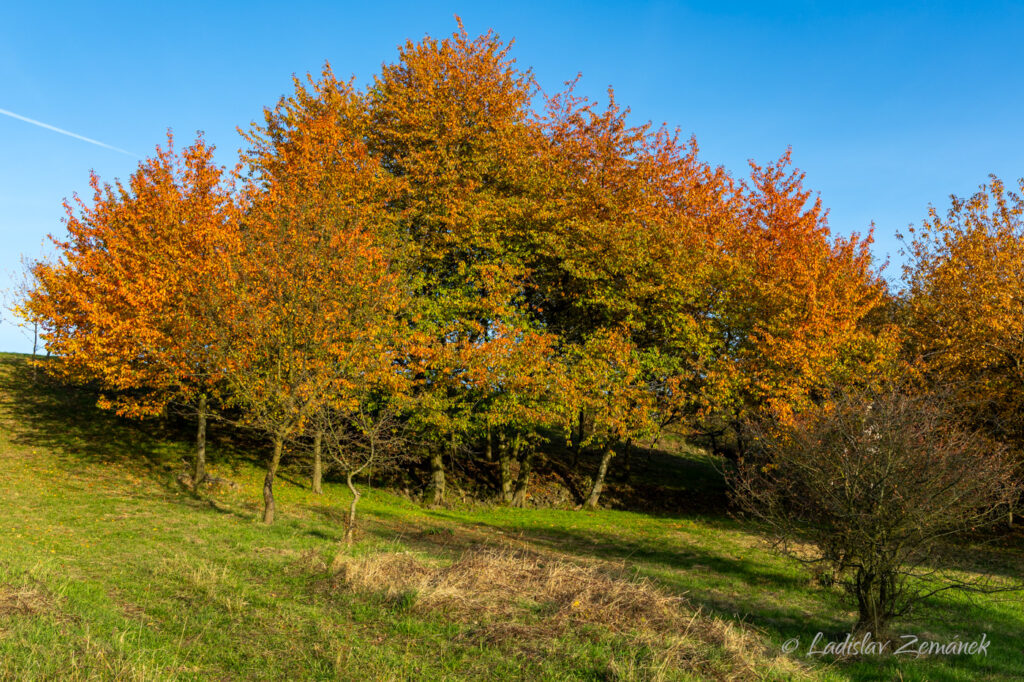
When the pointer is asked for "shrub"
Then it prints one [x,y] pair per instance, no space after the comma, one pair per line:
[871,487]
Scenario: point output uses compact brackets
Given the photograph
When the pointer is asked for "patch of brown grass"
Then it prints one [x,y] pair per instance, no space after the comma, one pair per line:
[23,600]
[523,601]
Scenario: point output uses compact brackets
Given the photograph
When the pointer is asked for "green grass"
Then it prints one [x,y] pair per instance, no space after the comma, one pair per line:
[109,569]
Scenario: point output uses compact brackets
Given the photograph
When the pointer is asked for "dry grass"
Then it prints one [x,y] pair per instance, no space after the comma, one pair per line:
[523,601]
[24,600]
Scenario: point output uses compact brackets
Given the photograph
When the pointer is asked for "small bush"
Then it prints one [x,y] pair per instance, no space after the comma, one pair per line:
[877,483]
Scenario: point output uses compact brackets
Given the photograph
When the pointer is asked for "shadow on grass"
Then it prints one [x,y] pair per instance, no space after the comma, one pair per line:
[64,420]
[715,577]
[774,597]
[43,413]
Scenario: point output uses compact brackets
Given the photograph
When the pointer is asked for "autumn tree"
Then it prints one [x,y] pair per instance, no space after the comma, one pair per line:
[604,379]
[964,304]
[311,293]
[125,302]
[796,317]
[631,251]
[451,120]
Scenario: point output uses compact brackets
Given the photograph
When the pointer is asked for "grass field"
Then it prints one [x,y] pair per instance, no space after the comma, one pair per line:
[110,569]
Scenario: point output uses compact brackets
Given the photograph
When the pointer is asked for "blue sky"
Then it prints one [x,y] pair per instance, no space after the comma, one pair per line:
[887,107]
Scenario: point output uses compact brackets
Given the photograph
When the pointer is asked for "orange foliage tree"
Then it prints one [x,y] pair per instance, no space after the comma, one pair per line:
[125,302]
[794,320]
[451,120]
[629,257]
[964,304]
[311,297]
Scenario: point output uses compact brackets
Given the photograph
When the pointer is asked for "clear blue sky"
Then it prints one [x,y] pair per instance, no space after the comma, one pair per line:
[887,108]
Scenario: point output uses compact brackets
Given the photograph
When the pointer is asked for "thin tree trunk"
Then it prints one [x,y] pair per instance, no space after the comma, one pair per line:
[318,464]
[350,522]
[523,479]
[199,467]
[602,472]
[505,457]
[35,340]
[437,476]
[268,481]
[489,452]
[741,446]
[577,444]
[627,461]
[452,451]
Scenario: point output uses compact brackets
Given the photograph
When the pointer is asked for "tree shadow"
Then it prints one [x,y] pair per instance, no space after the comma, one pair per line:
[780,602]
[44,413]
[673,562]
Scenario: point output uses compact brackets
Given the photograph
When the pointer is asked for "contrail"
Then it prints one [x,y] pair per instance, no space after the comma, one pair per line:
[64,132]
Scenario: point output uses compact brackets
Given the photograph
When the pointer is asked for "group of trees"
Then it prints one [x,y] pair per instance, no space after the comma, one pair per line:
[434,252]
[450,263]
[880,477]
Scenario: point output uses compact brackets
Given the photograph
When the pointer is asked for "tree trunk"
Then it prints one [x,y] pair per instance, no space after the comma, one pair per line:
[627,461]
[350,521]
[875,594]
[199,466]
[741,446]
[577,441]
[489,452]
[35,342]
[268,481]
[523,480]
[505,457]
[602,472]
[437,476]
[318,465]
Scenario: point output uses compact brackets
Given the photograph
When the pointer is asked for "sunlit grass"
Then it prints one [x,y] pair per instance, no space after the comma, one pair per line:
[110,569]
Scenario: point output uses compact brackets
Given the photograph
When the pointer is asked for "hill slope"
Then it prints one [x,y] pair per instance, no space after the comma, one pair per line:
[109,569]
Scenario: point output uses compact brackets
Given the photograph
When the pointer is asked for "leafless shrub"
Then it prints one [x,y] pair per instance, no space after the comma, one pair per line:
[877,483]
[371,435]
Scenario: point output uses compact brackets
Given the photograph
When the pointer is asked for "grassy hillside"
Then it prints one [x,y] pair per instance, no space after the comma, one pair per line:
[109,569]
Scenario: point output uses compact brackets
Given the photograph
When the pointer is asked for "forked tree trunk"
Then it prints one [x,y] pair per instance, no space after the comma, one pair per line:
[318,464]
[875,594]
[437,476]
[598,485]
[523,480]
[268,481]
[350,521]
[199,466]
